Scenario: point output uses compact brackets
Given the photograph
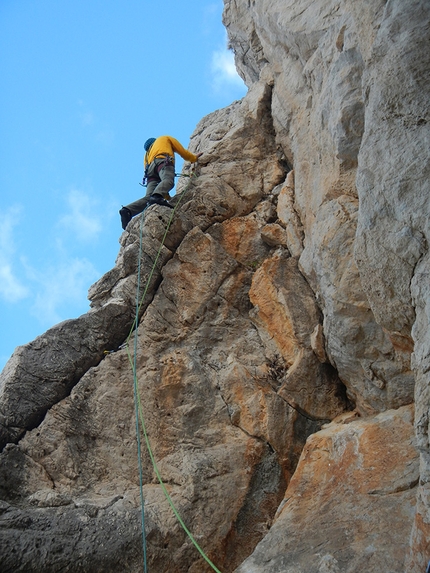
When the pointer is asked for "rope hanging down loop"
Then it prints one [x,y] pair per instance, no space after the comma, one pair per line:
[136,402]
[137,398]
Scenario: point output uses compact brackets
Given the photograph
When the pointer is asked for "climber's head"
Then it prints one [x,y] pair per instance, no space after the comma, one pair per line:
[148,143]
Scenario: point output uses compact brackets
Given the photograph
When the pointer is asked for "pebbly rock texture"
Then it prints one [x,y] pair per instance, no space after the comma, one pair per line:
[283,341]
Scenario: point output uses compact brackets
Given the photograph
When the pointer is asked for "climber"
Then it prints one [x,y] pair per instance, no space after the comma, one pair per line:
[159,165]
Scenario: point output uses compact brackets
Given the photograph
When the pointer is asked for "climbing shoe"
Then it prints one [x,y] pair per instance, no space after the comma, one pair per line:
[125,215]
[157,199]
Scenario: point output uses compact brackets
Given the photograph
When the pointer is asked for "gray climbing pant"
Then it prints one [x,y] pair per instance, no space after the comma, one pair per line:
[161,180]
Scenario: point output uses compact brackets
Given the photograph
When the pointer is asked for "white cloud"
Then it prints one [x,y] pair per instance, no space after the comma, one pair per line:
[11,288]
[86,116]
[224,74]
[82,217]
[59,287]
[106,137]
[212,16]
[90,122]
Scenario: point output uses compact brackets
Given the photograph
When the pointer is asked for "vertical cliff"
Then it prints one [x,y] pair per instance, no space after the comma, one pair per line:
[283,338]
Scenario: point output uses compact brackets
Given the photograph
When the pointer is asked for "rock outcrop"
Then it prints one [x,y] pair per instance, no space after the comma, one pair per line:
[282,351]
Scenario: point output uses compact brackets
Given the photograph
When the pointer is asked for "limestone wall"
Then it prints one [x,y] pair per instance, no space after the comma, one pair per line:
[283,344]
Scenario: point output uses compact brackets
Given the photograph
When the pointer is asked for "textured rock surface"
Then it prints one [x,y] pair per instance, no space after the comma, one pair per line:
[350,503]
[292,290]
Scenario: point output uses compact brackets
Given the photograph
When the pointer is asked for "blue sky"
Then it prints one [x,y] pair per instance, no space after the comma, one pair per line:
[84,84]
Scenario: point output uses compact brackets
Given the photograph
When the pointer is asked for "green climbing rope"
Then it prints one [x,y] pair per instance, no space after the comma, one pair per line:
[137,399]
[192,176]
[136,404]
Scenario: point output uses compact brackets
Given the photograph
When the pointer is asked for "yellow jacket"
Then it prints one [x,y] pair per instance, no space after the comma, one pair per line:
[167,145]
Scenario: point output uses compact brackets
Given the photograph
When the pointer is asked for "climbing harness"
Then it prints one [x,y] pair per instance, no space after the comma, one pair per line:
[137,398]
[153,169]
[146,179]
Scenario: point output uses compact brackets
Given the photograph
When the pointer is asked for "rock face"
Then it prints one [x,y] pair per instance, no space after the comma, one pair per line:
[282,352]
[352,483]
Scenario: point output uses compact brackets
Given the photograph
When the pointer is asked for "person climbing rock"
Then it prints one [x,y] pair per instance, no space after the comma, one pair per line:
[159,165]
